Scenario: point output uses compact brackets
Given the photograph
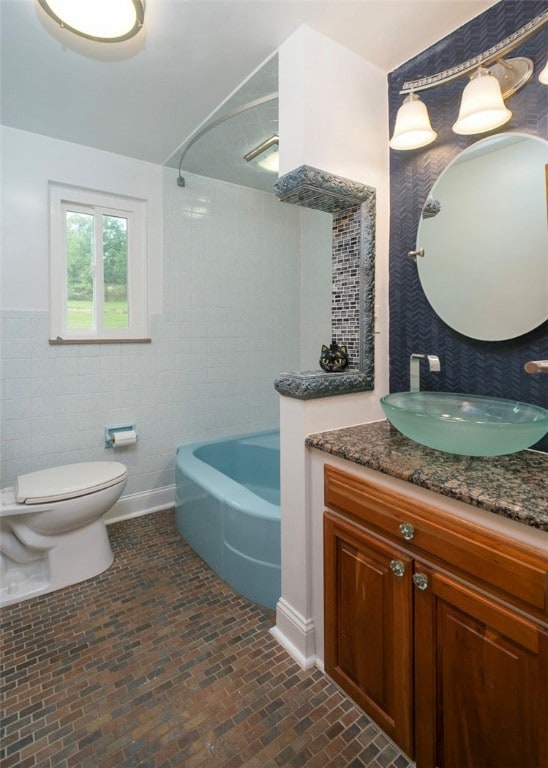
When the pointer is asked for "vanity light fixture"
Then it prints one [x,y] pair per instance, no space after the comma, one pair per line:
[265,155]
[107,21]
[492,79]
[482,107]
[413,128]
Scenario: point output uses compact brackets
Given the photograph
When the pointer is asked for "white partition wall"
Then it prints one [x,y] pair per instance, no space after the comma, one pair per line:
[333,108]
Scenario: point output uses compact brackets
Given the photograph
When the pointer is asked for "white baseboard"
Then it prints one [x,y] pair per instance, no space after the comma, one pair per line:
[296,634]
[143,503]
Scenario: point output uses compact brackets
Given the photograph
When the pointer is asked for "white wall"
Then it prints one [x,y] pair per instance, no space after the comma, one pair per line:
[29,162]
[333,116]
[329,109]
[225,280]
[233,260]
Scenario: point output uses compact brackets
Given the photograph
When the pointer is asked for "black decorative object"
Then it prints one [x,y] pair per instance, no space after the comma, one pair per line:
[333,357]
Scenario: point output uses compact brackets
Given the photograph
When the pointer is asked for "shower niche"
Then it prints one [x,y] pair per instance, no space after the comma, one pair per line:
[352,206]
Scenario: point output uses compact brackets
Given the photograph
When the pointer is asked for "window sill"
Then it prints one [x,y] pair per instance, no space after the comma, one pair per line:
[58,341]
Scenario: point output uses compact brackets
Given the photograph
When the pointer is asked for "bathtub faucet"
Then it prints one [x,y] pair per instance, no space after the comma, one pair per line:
[415,371]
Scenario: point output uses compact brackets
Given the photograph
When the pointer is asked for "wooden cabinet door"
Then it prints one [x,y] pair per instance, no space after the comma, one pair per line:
[368,625]
[481,677]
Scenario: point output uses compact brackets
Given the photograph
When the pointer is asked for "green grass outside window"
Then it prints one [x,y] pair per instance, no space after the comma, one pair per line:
[80,314]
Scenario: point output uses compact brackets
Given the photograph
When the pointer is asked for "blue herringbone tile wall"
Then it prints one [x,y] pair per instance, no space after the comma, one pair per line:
[477,367]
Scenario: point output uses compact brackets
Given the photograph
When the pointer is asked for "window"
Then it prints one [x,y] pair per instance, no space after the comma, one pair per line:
[97,267]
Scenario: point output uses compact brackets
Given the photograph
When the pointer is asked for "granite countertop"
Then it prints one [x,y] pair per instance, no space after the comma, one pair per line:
[513,486]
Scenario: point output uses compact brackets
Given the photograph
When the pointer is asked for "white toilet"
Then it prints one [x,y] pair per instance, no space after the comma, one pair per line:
[52,532]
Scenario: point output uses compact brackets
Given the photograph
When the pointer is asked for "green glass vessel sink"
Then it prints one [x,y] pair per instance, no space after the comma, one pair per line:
[470,425]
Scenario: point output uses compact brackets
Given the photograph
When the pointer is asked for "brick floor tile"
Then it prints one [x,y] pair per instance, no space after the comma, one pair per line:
[157,663]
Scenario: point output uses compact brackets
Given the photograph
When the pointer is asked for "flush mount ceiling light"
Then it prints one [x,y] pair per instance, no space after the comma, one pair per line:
[265,156]
[492,79]
[108,21]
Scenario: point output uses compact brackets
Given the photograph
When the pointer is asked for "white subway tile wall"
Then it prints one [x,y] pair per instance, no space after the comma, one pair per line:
[247,280]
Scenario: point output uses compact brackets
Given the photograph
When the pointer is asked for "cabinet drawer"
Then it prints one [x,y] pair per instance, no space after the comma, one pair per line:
[515,571]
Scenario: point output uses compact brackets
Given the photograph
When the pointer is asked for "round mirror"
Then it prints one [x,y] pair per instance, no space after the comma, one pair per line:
[485,239]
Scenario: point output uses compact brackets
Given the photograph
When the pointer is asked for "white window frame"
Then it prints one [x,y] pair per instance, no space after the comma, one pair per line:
[62,198]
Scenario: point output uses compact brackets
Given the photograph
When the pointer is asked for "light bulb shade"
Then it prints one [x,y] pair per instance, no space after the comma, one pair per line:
[543,77]
[108,21]
[482,107]
[412,129]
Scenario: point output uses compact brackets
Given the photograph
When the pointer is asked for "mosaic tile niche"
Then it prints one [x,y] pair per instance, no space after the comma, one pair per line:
[352,206]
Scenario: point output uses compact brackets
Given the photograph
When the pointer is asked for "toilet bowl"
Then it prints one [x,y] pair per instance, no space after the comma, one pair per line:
[52,532]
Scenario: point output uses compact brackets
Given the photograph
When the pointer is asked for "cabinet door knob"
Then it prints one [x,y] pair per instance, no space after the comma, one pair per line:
[407,531]
[420,581]
[397,567]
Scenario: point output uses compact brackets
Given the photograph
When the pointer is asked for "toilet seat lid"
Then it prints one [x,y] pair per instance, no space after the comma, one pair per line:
[68,481]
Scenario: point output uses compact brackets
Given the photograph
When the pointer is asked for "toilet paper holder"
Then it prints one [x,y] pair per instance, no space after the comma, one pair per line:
[127,433]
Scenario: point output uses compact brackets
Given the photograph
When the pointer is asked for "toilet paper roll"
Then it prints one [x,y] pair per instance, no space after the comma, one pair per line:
[127,437]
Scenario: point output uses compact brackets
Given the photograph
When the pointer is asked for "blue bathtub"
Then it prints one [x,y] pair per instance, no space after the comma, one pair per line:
[228,509]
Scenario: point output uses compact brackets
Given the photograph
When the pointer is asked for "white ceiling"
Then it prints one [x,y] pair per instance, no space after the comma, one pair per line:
[145,97]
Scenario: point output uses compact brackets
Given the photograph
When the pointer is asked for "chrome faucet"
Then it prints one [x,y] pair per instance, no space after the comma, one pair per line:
[415,371]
